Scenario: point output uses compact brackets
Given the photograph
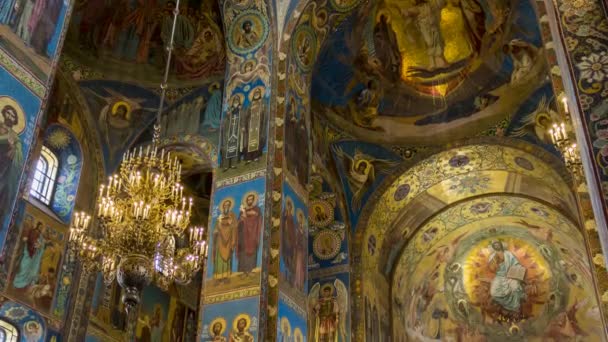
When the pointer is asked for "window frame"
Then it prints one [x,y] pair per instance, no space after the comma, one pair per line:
[45,176]
[9,330]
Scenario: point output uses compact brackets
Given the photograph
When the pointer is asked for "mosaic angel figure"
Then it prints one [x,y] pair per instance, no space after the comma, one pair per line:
[361,172]
[327,308]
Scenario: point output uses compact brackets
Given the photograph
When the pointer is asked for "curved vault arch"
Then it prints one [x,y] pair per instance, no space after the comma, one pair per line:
[447,270]
[414,194]
[197,151]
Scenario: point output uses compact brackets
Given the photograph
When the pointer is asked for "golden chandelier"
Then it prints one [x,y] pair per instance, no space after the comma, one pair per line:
[142,211]
[143,231]
[560,138]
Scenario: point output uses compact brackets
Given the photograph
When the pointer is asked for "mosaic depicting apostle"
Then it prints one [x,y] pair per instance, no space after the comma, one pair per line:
[249,232]
[253,128]
[386,46]
[207,54]
[177,326]
[151,326]
[288,240]
[213,112]
[240,330]
[284,330]
[12,123]
[216,329]
[224,241]
[327,312]
[139,31]
[34,244]
[301,251]
[36,269]
[247,37]
[35,22]
[296,152]
[190,333]
[364,108]
[231,135]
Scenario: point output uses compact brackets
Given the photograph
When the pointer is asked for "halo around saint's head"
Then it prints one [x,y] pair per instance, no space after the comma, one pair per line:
[125,104]
[32,326]
[288,200]
[327,286]
[244,316]
[254,90]
[364,162]
[8,101]
[540,116]
[238,96]
[285,326]
[219,320]
[224,201]
[214,85]
[255,198]
[498,241]
[300,215]
[297,335]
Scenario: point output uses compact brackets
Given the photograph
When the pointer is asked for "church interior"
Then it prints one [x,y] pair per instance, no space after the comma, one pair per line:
[303,170]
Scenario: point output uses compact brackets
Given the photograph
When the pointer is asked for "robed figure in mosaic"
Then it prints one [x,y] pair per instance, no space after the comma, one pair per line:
[249,231]
[301,251]
[34,245]
[12,122]
[240,331]
[253,137]
[231,135]
[506,287]
[288,240]
[327,312]
[224,240]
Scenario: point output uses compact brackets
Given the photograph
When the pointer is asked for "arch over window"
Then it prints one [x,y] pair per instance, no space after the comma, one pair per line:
[8,332]
[45,176]
[57,173]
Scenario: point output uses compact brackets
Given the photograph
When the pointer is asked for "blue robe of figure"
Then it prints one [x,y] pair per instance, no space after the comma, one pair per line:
[29,267]
[213,112]
[507,292]
[6,11]
[53,44]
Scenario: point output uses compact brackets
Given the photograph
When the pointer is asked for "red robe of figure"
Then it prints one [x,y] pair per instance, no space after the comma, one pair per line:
[249,231]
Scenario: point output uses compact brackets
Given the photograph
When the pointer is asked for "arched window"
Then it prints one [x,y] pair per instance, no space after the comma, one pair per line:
[45,176]
[8,332]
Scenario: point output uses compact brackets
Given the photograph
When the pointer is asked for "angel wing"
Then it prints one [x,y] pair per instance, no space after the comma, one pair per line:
[342,298]
[532,124]
[343,158]
[384,166]
[527,126]
[377,166]
[313,299]
[357,186]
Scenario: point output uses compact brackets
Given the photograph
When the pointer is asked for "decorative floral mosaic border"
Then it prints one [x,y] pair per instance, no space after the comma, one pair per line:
[33,84]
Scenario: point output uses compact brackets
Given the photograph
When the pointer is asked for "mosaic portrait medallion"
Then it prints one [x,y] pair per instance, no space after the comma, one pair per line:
[248,32]
[326,245]
[304,47]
